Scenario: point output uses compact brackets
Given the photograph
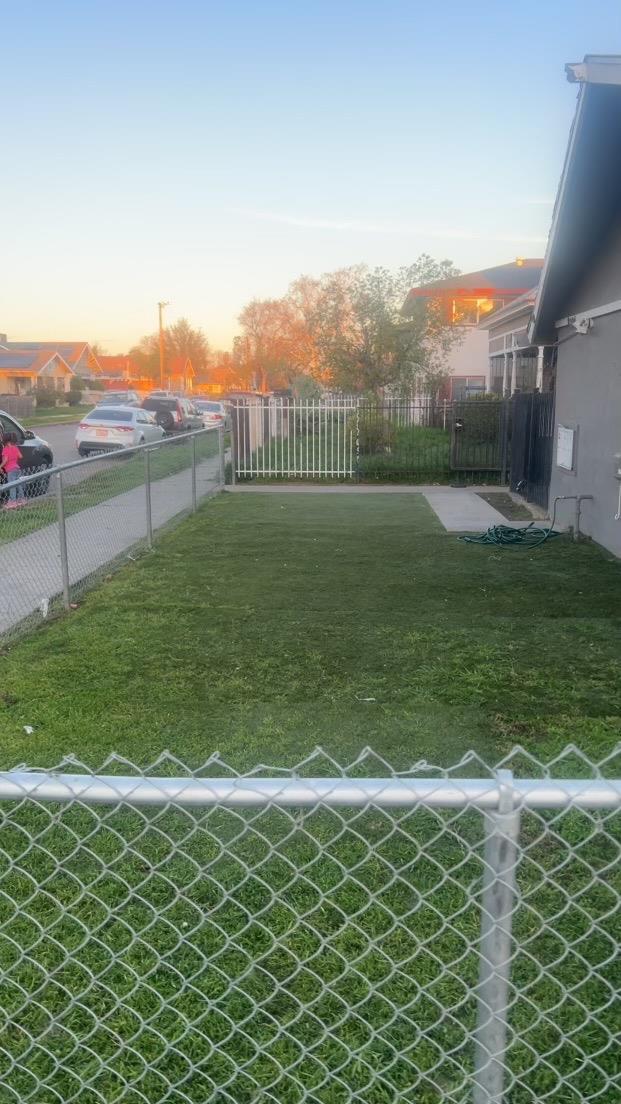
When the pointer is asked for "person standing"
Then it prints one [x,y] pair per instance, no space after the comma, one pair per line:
[11,457]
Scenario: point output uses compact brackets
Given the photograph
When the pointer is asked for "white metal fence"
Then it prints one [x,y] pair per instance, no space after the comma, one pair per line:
[78,519]
[328,438]
[322,935]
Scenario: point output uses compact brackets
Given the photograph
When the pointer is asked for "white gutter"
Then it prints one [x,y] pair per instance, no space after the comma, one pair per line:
[579,320]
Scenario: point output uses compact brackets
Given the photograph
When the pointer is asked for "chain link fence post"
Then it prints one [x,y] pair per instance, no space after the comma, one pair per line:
[147,487]
[502,829]
[193,473]
[221,475]
[234,443]
[62,539]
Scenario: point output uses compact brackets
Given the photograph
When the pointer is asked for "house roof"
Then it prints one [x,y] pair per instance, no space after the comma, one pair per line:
[180,365]
[115,365]
[501,280]
[588,194]
[30,362]
[71,351]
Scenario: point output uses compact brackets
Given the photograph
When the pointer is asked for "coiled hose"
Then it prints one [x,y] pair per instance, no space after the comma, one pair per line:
[530,536]
[527,536]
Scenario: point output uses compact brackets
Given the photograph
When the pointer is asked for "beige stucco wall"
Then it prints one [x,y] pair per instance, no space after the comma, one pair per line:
[470,356]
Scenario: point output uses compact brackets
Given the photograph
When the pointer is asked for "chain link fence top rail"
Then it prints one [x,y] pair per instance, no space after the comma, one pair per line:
[78,520]
[325,935]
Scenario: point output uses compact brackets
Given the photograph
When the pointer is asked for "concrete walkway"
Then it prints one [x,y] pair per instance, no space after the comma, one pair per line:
[30,571]
[352,488]
[462,511]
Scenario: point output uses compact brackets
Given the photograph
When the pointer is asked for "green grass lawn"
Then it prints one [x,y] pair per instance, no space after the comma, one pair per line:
[45,415]
[319,957]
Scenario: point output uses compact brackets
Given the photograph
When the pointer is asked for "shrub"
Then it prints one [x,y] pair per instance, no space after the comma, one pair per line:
[75,391]
[374,432]
[46,396]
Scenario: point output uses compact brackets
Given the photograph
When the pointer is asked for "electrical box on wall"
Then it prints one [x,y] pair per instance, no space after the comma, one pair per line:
[617,465]
[565,447]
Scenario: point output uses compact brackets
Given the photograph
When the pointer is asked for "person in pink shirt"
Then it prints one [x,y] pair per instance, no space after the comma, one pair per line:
[11,457]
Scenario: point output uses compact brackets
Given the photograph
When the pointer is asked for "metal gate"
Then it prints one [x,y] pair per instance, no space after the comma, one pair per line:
[479,437]
[294,439]
[532,432]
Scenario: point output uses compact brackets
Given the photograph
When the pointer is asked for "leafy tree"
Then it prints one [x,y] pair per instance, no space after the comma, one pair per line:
[346,330]
[356,338]
[182,339]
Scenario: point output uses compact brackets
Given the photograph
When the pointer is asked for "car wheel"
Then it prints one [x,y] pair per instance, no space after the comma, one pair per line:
[84,451]
[165,419]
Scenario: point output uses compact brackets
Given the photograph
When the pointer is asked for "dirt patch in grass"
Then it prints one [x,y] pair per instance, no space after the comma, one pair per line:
[501,501]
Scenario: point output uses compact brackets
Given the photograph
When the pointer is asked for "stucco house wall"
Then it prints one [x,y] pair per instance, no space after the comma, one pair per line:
[588,398]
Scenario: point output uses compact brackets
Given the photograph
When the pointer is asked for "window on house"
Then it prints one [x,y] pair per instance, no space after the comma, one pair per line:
[469,312]
[464,386]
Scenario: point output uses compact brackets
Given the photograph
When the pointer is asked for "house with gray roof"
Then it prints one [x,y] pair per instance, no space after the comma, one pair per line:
[577,308]
[23,370]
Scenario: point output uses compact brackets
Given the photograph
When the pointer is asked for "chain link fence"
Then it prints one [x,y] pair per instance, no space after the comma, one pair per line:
[322,935]
[74,522]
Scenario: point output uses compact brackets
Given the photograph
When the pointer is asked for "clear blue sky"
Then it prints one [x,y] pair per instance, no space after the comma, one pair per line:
[207,153]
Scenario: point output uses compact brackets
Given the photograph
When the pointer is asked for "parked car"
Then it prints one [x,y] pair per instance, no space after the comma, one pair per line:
[174,415]
[213,413]
[109,428]
[120,398]
[36,453]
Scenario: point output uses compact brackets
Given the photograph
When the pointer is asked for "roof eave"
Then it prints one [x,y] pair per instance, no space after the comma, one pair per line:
[538,323]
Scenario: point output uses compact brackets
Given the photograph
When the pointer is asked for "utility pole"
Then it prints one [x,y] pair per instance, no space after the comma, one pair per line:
[160,307]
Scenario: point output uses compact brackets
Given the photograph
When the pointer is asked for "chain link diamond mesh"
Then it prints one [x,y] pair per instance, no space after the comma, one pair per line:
[162,948]
[105,520]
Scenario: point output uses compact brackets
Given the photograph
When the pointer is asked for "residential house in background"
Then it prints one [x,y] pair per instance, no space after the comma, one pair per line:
[515,364]
[77,354]
[118,372]
[578,304]
[180,374]
[22,370]
[467,300]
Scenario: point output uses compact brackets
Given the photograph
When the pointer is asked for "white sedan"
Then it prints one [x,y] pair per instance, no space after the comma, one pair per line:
[212,413]
[109,428]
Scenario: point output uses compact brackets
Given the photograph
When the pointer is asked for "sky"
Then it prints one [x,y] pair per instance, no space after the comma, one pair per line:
[209,153]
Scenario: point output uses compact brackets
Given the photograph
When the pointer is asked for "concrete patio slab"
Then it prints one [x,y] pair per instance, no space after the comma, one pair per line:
[462,511]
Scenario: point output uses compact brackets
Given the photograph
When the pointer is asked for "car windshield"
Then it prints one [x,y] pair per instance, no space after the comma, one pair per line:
[113,400]
[160,404]
[202,404]
[110,414]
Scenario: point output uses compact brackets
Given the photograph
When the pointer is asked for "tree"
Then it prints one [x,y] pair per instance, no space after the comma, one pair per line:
[357,337]
[184,340]
[264,352]
[180,340]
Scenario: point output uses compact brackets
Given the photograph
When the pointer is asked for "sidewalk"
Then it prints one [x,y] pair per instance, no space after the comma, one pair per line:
[30,571]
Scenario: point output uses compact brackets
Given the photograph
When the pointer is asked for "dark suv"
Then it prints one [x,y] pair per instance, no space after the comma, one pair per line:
[174,415]
[36,453]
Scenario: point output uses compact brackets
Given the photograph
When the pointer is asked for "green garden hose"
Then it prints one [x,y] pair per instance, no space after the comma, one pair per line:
[529,536]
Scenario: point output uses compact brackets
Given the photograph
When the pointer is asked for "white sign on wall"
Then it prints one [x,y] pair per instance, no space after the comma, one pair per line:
[565,448]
